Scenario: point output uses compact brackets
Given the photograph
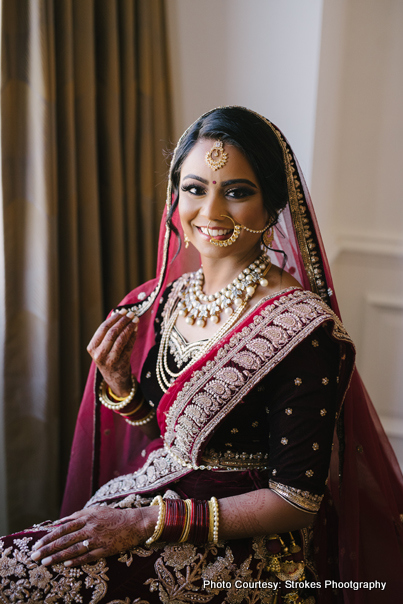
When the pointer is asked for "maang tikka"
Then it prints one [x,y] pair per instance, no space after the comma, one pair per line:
[216,158]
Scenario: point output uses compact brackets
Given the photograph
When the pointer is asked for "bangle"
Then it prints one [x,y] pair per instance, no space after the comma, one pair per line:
[143,421]
[159,527]
[175,514]
[103,397]
[213,521]
[134,410]
[188,520]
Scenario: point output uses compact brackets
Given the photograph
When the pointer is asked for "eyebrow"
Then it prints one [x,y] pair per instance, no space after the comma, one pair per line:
[223,184]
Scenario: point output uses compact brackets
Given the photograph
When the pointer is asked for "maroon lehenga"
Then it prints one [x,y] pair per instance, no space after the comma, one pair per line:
[257,410]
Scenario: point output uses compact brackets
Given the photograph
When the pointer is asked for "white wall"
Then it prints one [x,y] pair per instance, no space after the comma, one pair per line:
[357,170]
[262,54]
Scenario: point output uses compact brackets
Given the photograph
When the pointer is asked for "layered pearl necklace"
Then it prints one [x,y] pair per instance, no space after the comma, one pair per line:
[197,306]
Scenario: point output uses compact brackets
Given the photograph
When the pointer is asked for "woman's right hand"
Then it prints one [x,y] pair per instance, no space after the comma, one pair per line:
[111,348]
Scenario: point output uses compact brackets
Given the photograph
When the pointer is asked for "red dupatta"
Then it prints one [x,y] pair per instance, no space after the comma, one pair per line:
[365,482]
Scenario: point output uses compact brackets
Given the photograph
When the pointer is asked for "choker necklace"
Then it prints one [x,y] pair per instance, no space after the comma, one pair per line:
[197,306]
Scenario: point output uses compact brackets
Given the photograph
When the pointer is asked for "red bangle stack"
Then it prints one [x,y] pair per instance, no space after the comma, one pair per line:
[175,516]
[186,521]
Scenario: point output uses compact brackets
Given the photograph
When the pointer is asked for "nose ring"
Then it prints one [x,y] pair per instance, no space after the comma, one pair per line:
[232,239]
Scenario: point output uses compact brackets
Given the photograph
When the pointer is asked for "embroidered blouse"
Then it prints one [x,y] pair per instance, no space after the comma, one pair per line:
[284,425]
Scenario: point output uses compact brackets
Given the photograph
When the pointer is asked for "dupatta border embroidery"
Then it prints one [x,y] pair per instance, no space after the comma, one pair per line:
[214,390]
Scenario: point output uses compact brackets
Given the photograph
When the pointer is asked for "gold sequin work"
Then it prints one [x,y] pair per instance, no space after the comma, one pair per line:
[315,343]
[323,412]
[288,411]
[255,424]
[309,473]
[315,446]
[234,431]
[298,381]
[284,441]
[325,381]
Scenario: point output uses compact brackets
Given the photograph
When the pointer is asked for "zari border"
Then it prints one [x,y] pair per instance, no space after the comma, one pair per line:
[303,500]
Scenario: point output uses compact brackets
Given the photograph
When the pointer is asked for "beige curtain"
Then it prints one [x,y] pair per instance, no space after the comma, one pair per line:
[85,119]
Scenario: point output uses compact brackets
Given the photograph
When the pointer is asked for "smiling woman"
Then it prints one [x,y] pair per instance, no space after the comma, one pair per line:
[203,445]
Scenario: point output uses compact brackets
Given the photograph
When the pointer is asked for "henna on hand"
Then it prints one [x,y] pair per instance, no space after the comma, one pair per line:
[111,348]
[108,531]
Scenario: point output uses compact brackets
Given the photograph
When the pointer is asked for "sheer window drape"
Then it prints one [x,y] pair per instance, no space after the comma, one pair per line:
[85,119]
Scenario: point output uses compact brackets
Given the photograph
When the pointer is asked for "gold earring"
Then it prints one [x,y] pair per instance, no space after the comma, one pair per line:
[186,240]
[232,239]
[268,237]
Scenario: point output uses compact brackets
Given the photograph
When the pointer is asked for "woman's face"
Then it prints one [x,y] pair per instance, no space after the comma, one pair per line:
[211,198]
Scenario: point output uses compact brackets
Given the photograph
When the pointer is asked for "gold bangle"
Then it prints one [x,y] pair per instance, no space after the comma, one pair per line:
[134,410]
[159,527]
[141,422]
[186,527]
[118,399]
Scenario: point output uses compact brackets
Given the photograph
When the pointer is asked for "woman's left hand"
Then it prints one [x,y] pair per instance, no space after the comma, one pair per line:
[91,534]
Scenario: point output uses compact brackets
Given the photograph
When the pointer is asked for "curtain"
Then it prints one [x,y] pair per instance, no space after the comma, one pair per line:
[85,120]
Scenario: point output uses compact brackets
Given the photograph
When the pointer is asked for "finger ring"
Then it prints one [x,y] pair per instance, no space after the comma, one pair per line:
[86,544]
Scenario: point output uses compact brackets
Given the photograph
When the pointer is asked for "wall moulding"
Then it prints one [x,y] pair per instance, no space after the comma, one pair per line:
[370,243]
[387,302]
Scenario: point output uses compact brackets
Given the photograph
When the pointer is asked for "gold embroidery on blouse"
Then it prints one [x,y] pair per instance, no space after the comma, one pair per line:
[315,343]
[309,473]
[274,472]
[298,381]
[284,441]
[234,431]
[325,381]
[323,412]
[255,424]
[288,411]
[297,497]
[315,446]
[235,461]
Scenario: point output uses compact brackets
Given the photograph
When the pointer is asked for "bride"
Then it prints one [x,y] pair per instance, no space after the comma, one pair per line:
[206,466]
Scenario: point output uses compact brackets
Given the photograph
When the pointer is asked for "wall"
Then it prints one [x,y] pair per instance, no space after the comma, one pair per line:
[262,54]
[356,173]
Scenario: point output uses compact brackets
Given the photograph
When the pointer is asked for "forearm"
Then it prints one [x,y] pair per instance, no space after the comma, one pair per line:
[259,512]
[255,513]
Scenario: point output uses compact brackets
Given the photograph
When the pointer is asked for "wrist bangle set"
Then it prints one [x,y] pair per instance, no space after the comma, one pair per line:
[127,407]
[181,520]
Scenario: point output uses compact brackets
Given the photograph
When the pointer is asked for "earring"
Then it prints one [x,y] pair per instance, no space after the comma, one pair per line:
[186,240]
[268,237]
[232,239]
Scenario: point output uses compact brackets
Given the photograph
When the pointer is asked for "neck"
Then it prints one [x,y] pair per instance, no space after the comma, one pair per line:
[219,273]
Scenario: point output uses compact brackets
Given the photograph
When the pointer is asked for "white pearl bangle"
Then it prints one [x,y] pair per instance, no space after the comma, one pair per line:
[116,406]
[160,521]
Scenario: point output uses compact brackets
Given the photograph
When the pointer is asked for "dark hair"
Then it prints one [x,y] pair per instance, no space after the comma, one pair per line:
[257,141]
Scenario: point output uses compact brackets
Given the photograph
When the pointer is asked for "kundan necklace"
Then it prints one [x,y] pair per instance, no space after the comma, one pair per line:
[197,306]
[236,293]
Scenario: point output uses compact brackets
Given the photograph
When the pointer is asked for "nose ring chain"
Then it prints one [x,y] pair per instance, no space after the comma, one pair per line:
[236,231]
